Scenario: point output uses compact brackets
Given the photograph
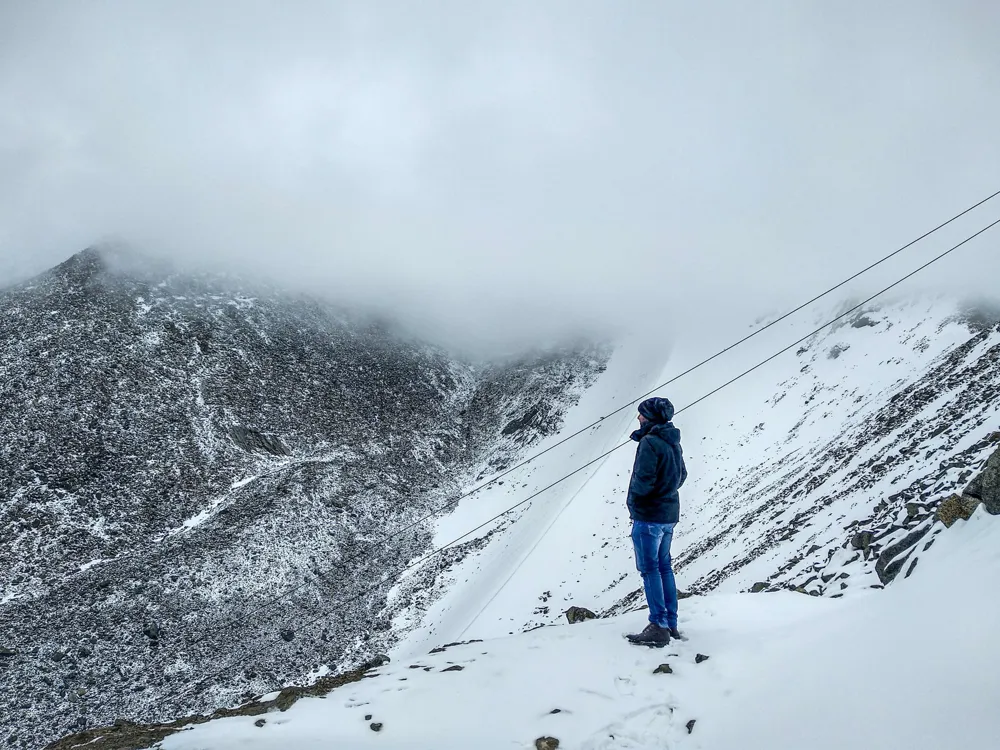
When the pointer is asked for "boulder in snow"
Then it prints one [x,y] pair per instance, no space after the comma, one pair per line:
[546,743]
[986,485]
[862,540]
[956,507]
[579,614]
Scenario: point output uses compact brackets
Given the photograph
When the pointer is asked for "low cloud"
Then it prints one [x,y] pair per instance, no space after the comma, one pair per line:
[506,173]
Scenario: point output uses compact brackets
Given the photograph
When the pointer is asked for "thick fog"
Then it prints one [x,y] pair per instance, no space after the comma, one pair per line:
[505,172]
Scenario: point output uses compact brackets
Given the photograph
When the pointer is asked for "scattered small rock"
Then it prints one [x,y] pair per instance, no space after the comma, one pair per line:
[152,631]
[699,658]
[380,660]
[376,726]
[556,711]
[663,669]
[454,668]
[260,722]
[287,635]
[690,725]
[579,614]
[368,717]
[546,743]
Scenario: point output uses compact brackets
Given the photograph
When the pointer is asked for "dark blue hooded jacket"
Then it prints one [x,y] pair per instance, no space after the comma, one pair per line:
[659,469]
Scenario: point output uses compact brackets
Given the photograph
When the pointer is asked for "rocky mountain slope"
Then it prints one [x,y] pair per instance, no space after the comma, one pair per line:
[179,451]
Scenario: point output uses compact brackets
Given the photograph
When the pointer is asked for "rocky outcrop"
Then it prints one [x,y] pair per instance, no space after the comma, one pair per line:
[986,486]
[579,614]
[956,507]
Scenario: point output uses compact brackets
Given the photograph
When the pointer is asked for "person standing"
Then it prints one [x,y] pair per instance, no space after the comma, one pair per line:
[654,507]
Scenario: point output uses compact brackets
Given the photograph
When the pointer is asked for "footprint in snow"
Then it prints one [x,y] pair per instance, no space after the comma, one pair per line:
[648,728]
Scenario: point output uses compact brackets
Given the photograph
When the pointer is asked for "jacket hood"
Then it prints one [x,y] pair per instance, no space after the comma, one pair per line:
[666,432]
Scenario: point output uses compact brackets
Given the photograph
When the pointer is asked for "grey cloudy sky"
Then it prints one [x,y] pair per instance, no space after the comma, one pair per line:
[505,168]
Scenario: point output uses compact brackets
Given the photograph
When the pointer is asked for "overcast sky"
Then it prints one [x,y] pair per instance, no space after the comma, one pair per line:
[503,169]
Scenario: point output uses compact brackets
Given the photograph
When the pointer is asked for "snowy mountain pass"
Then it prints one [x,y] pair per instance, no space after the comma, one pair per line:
[786,466]
[784,670]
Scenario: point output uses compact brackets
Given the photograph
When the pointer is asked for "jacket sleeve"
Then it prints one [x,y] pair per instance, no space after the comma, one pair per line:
[645,472]
[684,471]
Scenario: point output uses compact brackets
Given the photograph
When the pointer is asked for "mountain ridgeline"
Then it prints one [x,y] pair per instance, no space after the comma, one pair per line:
[179,451]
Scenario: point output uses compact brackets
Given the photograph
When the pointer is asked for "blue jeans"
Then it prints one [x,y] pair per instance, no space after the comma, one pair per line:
[652,558]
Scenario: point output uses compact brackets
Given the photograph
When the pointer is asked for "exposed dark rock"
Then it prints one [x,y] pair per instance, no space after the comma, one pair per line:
[986,485]
[758,587]
[368,717]
[260,722]
[376,726]
[887,565]
[454,668]
[534,417]
[251,440]
[445,647]
[956,507]
[699,658]
[546,743]
[690,725]
[287,635]
[663,669]
[862,540]
[375,662]
[579,614]
[4,651]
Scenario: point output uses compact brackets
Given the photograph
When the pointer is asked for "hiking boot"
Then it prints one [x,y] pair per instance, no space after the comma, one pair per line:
[676,635]
[653,636]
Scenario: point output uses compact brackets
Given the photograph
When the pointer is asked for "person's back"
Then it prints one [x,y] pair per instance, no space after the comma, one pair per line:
[654,506]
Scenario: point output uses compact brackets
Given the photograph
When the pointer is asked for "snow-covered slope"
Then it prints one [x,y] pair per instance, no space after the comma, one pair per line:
[862,429]
[784,671]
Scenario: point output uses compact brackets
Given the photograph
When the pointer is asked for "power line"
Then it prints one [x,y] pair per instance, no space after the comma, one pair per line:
[454,501]
[371,589]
